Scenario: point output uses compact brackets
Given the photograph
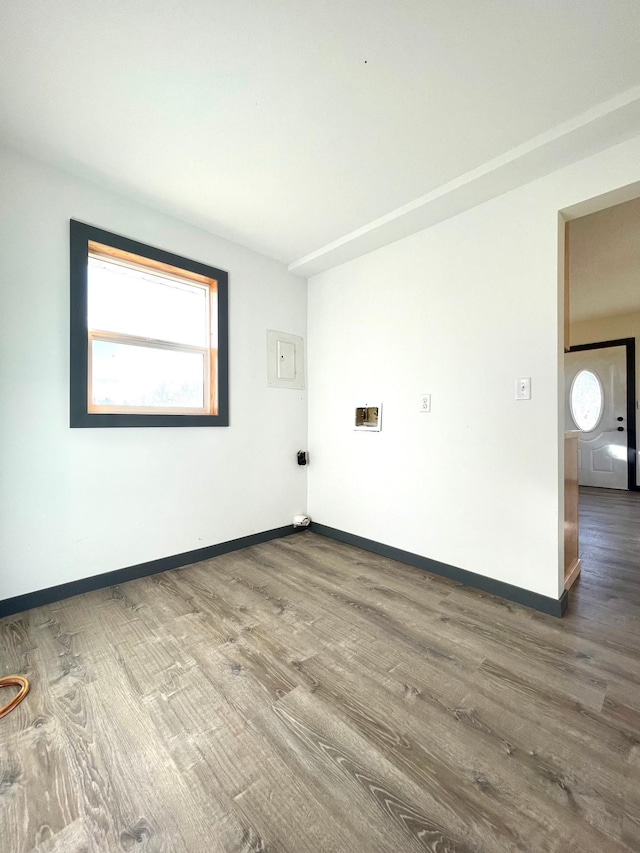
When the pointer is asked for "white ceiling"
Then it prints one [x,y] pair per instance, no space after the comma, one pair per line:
[286,125]
[604,262]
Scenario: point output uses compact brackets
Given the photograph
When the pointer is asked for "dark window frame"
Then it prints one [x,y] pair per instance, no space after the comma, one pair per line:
[80,236]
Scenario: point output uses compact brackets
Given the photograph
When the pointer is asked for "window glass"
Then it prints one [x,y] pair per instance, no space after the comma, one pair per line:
[586,400]
[129,375]
[137,303]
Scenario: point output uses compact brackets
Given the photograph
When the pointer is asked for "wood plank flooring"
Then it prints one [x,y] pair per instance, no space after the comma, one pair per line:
[304,695]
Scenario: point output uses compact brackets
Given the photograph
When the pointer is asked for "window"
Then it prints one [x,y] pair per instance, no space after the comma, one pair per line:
[148,335]
[586,400]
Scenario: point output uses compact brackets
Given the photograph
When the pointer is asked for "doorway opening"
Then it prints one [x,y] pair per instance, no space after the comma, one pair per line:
[599,267]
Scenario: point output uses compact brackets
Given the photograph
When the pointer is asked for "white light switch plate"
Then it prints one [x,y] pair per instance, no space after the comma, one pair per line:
[523,388]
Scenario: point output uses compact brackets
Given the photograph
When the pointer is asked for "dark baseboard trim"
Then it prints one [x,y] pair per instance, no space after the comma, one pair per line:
[551,606]
[19,603]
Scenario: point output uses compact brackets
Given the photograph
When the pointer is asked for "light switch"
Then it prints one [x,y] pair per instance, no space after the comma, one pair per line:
[286,355]
[523,388]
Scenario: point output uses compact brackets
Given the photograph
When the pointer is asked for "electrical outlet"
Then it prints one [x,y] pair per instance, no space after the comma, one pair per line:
[425,403]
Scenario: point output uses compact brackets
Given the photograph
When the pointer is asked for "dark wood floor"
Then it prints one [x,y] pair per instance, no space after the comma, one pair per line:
[303,695]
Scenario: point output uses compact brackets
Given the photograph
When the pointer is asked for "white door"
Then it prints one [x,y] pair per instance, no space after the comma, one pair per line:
[596,403]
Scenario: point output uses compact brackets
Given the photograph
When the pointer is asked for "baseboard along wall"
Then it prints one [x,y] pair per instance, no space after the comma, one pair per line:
[543,603]
[20,603]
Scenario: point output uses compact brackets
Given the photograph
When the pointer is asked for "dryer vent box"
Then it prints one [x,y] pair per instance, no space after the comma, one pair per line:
[285,360]
[368,418]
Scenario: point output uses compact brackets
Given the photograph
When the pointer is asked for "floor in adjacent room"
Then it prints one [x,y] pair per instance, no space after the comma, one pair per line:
[303,695]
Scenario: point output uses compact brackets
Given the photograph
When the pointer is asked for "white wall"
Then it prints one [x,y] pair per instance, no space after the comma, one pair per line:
[75,503]
[610,329]
[459,310]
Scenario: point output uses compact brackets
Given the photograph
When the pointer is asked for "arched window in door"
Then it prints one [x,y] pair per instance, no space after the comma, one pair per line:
[586,400]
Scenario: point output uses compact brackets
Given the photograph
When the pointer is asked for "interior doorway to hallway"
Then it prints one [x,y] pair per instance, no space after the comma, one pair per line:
[602,324]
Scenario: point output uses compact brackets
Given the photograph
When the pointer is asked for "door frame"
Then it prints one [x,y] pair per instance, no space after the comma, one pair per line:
[630,347]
